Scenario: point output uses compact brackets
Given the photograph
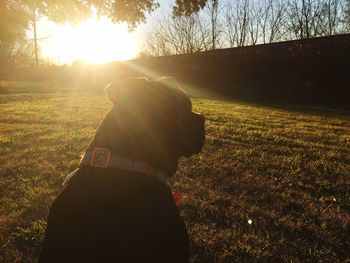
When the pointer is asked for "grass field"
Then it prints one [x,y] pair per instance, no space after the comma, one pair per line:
[272,183]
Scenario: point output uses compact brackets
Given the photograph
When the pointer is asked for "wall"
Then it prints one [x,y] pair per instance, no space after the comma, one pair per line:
[314,71]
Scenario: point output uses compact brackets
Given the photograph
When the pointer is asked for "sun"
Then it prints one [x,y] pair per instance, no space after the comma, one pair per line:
[95,41]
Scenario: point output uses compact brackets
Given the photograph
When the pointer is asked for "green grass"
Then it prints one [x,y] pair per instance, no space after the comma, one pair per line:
[285,168]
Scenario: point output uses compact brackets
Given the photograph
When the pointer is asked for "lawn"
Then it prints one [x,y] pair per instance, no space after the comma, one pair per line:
[272,183]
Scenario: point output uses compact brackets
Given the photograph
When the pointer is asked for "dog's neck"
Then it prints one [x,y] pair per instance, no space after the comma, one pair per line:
[121,144]
[167,169]
[103,158]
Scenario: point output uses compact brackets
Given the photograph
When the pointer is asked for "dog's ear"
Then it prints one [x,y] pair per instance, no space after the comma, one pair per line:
[169,82]
[112,92]
[116,91]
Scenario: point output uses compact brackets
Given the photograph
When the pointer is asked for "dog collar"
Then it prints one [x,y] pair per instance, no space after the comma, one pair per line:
[103,158]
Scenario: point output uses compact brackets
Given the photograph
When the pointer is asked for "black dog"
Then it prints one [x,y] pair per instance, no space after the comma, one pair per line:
[116,207]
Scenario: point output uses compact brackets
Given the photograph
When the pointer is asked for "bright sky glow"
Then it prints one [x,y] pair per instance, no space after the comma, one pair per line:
[94,40]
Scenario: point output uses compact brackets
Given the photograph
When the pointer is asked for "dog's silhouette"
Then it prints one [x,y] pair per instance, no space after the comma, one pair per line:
[116,206]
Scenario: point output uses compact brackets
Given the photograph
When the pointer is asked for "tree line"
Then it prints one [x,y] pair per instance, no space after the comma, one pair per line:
[226,24]
[193,25]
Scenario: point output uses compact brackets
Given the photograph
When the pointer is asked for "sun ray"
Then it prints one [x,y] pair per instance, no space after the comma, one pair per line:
[194,91]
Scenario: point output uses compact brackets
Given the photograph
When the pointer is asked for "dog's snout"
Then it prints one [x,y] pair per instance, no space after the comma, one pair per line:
[196,140]
[200,131]
[199,116]
[200,120]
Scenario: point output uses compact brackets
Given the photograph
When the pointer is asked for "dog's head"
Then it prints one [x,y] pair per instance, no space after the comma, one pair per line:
[151,121]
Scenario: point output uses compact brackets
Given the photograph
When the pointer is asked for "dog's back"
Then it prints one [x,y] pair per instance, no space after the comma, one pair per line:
[108,216]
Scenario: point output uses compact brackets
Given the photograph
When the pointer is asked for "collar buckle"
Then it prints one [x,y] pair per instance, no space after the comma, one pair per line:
[100,157]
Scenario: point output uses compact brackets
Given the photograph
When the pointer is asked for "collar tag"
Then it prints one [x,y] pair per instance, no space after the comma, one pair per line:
[100,157]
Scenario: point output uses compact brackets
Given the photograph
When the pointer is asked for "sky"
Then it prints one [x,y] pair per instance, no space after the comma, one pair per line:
[94,40]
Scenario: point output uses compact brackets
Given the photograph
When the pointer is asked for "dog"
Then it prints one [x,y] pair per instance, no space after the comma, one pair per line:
[117,207]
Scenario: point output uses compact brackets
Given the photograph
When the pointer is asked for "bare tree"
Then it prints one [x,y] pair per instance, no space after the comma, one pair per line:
[156,43]
[303,18]
[255,16]
[231,29]
[248,22]
[186,35]
[237,23]
[213,10]
[272,22]
[177,35]
[345,16]
[204,32]
[329,17]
